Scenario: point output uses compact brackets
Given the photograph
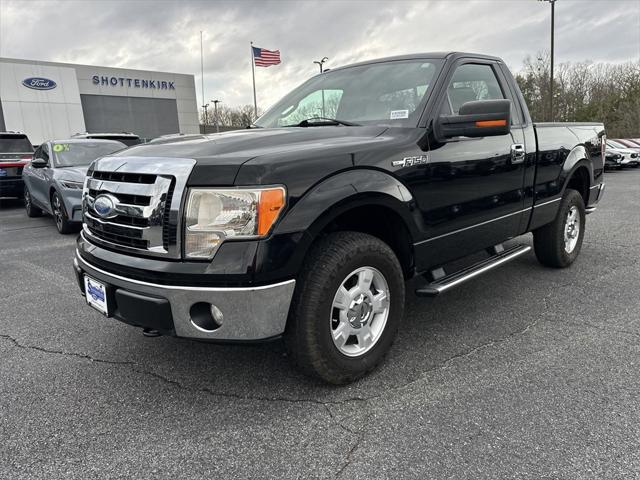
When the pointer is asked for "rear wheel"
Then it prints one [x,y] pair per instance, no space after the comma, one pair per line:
[348,304]
[60,215]
[558,243]
[31,209]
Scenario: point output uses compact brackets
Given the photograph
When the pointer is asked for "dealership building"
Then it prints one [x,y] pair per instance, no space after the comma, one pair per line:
[48,100]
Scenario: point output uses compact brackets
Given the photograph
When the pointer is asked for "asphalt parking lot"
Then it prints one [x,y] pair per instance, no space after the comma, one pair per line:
[525,373]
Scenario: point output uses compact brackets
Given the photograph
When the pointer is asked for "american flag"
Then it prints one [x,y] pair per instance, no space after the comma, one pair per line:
[264,58]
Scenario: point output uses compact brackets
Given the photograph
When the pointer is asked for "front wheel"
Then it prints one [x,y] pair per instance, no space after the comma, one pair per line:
[558,243]
[60,215]
[347,307]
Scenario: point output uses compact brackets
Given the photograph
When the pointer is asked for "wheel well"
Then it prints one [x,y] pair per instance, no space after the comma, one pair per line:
[383,223]
[579,181]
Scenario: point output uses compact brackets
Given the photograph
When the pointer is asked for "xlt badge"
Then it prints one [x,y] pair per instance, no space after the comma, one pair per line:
[410,161]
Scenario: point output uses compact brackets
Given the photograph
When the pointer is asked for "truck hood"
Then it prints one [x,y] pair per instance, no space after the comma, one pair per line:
[245,144]
[228,151]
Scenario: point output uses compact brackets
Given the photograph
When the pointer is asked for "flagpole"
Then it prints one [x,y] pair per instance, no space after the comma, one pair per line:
[202,76]
[253,73]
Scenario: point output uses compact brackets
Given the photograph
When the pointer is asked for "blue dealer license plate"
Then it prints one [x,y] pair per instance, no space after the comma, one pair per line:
[96,294]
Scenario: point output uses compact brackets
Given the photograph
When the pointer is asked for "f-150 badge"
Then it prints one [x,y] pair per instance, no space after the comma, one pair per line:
[410,161]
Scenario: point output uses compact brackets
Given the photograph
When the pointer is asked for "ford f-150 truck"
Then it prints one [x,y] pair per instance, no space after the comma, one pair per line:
[307,224]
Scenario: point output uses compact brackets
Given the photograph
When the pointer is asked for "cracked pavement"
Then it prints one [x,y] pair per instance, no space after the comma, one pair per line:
[526,372]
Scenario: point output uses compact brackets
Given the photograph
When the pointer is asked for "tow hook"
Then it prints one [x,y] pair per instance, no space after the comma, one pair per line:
[150,332]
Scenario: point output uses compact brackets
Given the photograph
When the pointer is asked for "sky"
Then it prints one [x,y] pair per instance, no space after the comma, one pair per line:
[165,35]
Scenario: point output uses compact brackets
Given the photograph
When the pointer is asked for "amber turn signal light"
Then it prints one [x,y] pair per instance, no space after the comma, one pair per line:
[491,123]
[269,207]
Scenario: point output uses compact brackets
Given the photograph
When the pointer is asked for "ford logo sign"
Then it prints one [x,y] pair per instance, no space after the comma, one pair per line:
[105,205]
[39,83]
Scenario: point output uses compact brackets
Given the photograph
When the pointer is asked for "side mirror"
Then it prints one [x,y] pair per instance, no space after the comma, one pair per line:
[483,118]
[39,163]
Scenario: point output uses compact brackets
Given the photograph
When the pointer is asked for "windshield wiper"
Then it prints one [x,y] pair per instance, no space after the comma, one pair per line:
[324,121]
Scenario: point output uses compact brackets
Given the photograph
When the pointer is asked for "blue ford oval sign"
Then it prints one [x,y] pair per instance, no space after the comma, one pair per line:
[105,205]
[39,83]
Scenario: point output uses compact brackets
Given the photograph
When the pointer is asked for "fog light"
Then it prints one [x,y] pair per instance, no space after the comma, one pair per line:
[205,317]
[216,314]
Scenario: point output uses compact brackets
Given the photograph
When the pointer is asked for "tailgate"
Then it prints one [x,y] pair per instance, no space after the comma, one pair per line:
[11,164]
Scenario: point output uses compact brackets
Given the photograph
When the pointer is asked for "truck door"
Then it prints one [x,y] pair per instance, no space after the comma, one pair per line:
[471,195]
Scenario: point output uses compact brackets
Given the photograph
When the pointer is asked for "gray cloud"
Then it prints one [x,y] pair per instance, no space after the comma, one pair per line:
[164,35]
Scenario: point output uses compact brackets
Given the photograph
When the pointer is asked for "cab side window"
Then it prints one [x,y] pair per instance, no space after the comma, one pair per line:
[471,82]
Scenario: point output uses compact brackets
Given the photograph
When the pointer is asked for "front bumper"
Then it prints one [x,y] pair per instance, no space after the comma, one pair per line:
[72,199]
[249,313]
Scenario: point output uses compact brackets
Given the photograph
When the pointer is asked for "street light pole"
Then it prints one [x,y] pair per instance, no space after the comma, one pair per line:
[320,63]
[206,116]
[553,12]
[215,114]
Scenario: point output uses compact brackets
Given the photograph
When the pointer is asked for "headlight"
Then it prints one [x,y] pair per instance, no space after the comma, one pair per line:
[71,185]
[215,215]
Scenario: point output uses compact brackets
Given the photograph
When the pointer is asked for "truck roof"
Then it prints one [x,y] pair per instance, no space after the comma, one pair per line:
[416,56]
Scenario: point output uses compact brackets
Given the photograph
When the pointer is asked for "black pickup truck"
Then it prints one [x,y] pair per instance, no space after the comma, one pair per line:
[307,224]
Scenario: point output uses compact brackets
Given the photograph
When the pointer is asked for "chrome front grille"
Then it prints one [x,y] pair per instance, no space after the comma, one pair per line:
[145,196]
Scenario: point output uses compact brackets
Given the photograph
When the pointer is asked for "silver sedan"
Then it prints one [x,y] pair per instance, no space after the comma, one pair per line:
[54,179]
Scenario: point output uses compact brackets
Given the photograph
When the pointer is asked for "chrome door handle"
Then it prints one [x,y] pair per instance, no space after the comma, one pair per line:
[518,153]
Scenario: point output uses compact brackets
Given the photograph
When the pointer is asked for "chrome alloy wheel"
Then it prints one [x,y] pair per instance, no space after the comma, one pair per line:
[359,311]
[571,229]
[57,210]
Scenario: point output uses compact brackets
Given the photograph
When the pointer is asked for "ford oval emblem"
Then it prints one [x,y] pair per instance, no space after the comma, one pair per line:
[39,83]
[105,205]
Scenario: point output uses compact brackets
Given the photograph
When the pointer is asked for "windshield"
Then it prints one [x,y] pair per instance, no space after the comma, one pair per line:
[80,154]
[390,93]
[15,144]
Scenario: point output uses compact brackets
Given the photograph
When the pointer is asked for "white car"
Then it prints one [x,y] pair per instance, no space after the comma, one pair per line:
[630,156]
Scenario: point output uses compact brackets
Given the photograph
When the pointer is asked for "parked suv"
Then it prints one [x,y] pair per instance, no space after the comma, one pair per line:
[307,225]
[54,179]
[629,156]
[15,152]
[127,138]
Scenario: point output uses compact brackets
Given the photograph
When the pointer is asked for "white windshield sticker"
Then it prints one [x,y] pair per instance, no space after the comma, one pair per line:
[396,114]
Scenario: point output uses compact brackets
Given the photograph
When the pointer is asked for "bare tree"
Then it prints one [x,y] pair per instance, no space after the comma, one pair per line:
[585,92]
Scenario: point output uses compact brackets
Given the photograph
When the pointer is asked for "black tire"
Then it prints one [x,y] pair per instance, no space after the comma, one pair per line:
[30,208]
[60,216]
[308,336]
[549,241]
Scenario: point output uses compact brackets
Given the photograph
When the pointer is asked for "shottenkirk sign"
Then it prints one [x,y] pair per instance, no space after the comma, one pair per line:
[132,82]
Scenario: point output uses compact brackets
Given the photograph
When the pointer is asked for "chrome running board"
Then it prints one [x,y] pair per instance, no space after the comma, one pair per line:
[443,282]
